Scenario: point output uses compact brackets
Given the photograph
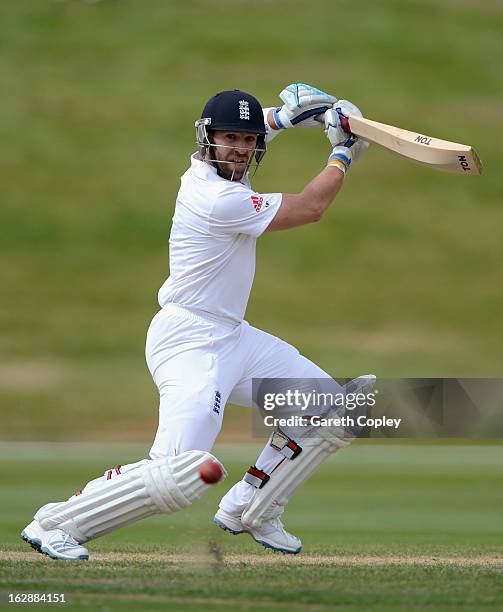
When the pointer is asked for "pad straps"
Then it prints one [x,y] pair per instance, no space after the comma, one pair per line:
[257,478]
[284,445]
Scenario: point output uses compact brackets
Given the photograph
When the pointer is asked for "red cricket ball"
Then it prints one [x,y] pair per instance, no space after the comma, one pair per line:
[210,471]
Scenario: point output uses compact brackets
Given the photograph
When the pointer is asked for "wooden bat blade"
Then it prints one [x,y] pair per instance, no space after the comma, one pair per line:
[434,152]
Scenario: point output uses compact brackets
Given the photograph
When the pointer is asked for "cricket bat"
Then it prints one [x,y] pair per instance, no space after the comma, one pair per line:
[434,152]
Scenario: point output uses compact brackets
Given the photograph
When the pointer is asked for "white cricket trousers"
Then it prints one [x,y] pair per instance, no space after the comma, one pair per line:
[198,365]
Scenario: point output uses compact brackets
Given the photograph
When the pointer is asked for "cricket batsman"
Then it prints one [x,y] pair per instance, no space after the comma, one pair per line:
[200,350]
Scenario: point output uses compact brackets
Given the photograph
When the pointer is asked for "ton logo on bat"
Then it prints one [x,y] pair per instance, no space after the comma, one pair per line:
[423,139]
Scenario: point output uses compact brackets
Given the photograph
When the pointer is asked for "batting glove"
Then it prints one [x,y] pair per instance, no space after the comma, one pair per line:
[302,103]
[341,158]
[337,135]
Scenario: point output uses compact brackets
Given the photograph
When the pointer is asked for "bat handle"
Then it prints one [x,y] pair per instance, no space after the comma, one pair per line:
[345,124]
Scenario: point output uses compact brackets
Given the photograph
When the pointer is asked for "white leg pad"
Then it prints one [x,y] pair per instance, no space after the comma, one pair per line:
[287,478]
[291,473]
[160,486]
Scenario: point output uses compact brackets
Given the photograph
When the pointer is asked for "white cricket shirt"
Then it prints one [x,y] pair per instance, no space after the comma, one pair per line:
[212,242]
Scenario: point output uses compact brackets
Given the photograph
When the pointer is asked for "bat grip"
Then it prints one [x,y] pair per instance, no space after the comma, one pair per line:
[345,123]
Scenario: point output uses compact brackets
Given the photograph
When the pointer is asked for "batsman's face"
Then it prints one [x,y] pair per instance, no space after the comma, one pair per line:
[235,151]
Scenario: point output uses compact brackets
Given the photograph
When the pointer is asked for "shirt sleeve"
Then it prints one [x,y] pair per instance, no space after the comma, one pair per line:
[240,210]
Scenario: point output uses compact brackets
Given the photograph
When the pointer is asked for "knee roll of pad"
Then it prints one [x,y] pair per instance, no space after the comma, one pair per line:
[160,486]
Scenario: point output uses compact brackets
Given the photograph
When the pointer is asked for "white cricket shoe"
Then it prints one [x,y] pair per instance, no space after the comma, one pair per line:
[54,543]
[271,534]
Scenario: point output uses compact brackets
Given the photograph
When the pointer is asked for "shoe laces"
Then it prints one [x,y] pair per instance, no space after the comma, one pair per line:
[273,516]
[272,520]
[67,539]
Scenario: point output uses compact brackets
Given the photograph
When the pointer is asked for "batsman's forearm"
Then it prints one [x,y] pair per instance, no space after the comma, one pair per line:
[308,206]
[321,191]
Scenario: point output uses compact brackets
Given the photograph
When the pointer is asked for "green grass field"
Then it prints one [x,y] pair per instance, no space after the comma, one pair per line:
[384,527]
[401,278]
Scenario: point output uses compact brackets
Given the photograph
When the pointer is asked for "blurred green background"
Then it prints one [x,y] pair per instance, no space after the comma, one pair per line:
[401,278]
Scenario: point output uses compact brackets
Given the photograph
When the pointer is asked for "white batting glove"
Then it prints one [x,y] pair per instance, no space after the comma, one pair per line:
[341,158]
[348,152]
[334,121]
[336,133]
[333,128]
[302,103]
[346,108]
